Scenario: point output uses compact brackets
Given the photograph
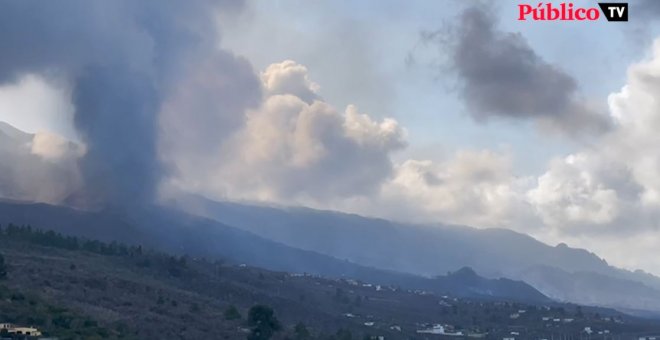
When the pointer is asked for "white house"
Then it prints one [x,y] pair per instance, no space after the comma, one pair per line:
[18,330]
[436,329]
[440,329]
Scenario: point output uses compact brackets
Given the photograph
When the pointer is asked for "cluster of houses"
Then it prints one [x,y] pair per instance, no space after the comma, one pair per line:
[440,329]
[14,330]
[449,330]
[589,331]
[376,287]
[551,319]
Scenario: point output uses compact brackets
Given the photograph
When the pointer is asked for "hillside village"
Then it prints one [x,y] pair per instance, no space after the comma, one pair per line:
[67,287]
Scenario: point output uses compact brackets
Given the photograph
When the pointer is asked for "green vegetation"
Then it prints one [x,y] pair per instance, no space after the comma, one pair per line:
[263,322]
[174,266]
[343,334]
[232,313]
[3,268]
[57,240]
[127,291]
[302,332]
[18,308]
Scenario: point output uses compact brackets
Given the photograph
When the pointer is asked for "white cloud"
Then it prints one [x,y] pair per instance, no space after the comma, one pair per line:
[292,151]
[613,186]
[574,192]
[34,103]
[296,148]
[289,77]
[473,187]
[608,194]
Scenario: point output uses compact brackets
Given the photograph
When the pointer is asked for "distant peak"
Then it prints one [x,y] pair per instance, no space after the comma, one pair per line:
[464,272]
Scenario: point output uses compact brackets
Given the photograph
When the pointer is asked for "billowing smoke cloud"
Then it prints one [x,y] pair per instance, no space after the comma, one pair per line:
[116,115]
[649,9]
[500,75]
[289,77]
[55,148]
[295,148]
[122,59]
[206,109]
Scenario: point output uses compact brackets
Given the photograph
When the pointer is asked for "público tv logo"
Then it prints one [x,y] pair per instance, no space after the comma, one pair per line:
[612,11]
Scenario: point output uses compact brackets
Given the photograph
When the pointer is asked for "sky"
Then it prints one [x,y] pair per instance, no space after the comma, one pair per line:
[420,111]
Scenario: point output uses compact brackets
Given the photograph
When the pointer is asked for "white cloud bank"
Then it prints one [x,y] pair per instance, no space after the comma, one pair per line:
[293,147]
[296,148]
[610,192]
[615,185]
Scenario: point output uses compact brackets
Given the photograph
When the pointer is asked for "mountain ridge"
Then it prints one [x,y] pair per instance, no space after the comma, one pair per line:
[421,250]
[180,233]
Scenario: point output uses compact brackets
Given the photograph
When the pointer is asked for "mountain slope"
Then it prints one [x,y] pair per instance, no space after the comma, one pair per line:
[588,288]
[134,293]
[413,248]
[179,233]
[431,250]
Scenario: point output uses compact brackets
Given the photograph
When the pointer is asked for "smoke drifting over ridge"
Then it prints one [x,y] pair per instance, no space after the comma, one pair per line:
[501,76]
[122,60]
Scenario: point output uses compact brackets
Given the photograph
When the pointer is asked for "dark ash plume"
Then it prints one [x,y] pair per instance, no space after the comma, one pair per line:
[122,59]
[117,110]
[500,75]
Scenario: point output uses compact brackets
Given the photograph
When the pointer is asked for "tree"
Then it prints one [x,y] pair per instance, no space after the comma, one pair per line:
[194,308]
[263,322]
[232,313]
[3,268]
[301,331]
[344,334]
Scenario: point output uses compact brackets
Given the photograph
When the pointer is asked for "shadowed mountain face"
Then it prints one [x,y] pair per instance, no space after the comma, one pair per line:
[424,250]
[180,233]
[561,272]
